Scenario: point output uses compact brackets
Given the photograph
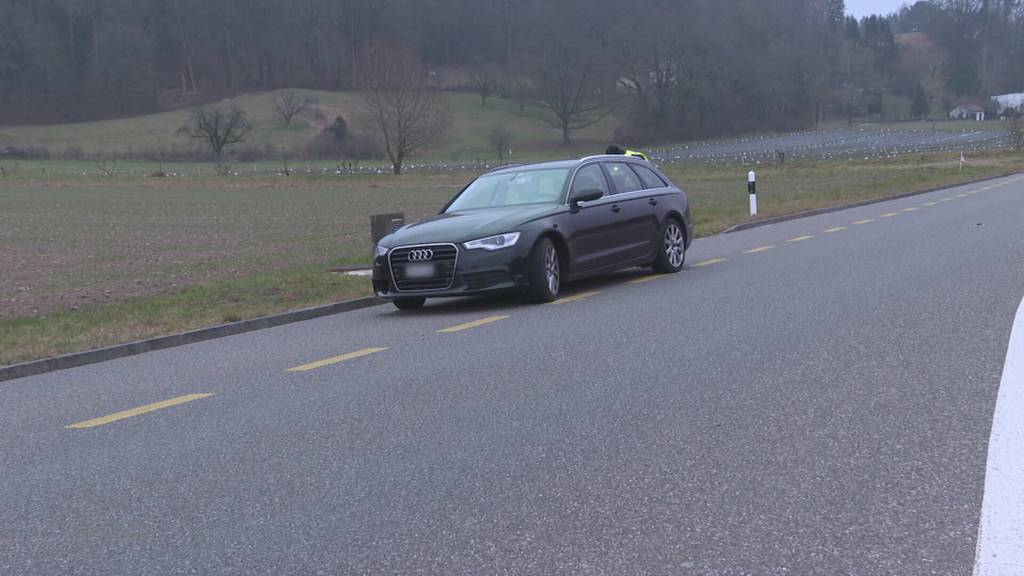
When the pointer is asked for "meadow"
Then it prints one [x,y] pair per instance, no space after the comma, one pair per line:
[96,251]
[466,140]
[90,261]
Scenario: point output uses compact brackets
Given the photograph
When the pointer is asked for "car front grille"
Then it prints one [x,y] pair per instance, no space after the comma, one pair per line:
[443,257]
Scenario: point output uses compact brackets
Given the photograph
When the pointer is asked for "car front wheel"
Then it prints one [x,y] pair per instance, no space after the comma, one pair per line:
[672,251]
[545,272]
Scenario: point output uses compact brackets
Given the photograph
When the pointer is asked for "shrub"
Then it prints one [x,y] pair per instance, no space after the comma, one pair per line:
[339,129]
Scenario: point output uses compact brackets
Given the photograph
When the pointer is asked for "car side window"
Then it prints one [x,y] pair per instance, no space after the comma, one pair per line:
[624,179]
[590,177]
[650,177]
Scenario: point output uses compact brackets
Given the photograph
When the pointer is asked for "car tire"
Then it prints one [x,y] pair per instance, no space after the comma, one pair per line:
[409,303]
[545,271]
[671,248]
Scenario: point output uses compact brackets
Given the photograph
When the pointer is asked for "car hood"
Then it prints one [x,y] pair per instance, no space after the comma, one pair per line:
[468,225]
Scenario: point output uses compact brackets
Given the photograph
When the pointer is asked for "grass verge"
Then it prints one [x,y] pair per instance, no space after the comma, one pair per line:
[28,338]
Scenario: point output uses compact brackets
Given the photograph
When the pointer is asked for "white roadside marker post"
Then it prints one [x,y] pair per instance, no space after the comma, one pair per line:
[752,189]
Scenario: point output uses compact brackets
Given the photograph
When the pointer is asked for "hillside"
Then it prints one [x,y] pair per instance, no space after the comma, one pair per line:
[465,141]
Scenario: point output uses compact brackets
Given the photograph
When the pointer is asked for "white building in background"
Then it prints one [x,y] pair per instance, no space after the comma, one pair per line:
[1010,101]
[968,112]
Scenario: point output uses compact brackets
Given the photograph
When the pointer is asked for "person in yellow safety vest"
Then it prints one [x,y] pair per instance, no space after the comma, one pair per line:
[616,151]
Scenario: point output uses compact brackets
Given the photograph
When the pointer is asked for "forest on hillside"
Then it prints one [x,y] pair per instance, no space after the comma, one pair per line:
[671,68]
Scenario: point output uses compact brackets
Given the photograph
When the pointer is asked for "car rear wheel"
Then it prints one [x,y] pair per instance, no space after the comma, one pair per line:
[672,251]
[545,272]
[409,303]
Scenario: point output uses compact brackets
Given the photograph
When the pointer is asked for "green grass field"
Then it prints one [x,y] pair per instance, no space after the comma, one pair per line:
[91,261]
[465,141]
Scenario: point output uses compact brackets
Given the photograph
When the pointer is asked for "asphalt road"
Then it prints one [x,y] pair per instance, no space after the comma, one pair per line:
[822,406]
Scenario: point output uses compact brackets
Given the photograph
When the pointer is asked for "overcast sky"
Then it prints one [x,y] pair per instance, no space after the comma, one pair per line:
[860,8]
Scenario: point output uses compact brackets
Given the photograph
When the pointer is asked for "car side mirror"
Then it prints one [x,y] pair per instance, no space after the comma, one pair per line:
[587,195]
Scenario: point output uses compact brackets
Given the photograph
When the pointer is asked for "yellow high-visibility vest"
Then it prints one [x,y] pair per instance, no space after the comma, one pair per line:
[636,154]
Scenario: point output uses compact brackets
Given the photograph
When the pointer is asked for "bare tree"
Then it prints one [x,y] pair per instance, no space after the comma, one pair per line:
[486,81]
[218,127]
[397,101]
[285,169]
[501,140]
[568,92]
[185,51]
[1014,124]
[290,104]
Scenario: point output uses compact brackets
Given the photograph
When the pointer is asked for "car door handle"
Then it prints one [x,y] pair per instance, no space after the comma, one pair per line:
[652,202]
[616,208]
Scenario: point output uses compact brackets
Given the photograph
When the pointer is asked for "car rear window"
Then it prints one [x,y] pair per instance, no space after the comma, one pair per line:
[650,177]
[625,180]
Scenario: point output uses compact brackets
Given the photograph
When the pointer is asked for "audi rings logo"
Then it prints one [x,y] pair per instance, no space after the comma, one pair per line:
[421,255]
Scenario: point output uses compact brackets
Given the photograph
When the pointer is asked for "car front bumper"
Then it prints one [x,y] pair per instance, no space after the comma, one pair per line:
[476,272]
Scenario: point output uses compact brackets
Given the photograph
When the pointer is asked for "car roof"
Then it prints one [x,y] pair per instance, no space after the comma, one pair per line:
[565,163]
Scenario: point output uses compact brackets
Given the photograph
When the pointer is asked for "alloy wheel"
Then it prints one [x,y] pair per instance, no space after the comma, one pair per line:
[674,245]
[551,269]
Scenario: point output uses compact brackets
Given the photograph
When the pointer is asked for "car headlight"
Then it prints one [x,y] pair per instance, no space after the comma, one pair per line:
[492,243]
[382,251]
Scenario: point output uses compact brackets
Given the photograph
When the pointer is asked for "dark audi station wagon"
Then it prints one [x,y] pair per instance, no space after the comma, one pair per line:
[532,228]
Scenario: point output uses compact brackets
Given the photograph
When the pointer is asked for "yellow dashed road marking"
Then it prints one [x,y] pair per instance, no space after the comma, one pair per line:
[909,209]
[336,360]
[799,239]
[759,250]
[929,204]
[946,199]
[865,221]
[836,229]
[138,411]
[473,324]
[710,262]
[889,214]
[575,298]
[961,195]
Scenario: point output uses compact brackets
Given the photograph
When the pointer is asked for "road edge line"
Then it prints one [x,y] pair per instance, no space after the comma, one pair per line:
[1001,527]
[858,204]
[76,359]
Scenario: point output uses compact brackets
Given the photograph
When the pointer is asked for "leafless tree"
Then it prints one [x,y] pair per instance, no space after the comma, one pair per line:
[185,49]
[290,104]
[500,138]
[486,81]
[1014,125]
[285,169]
[567,91]
[217,127]
[397,101]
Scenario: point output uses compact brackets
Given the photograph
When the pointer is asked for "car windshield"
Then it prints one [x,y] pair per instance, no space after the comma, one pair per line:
[540,186]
